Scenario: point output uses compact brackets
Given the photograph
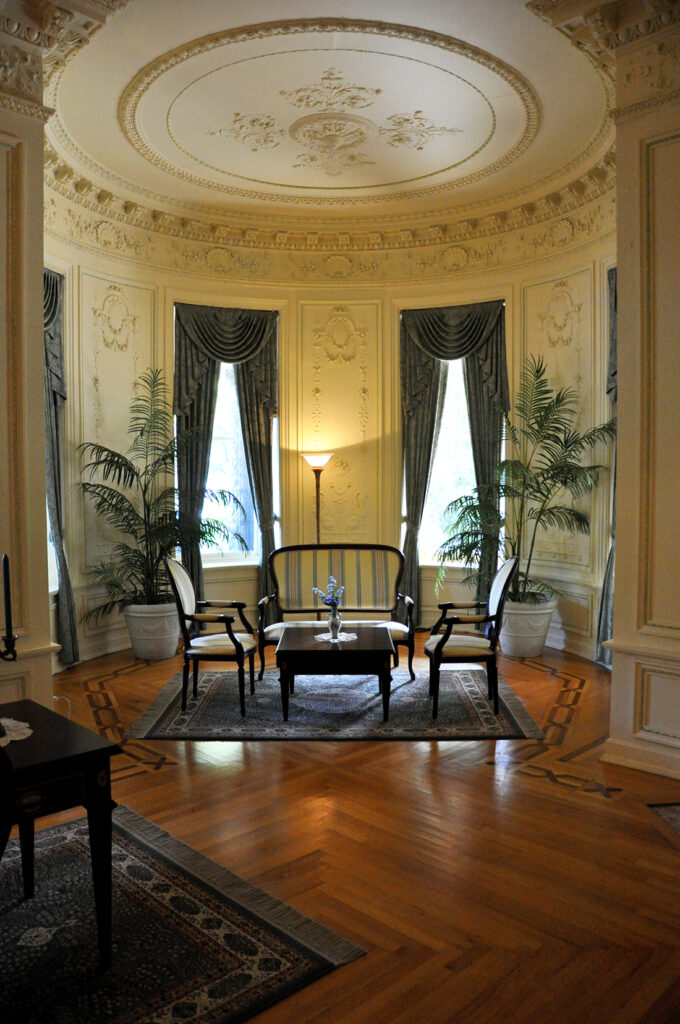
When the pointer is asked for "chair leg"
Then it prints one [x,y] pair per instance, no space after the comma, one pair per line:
[185,682]
[260,647]
[434,686]
[411,652]
[195,678]
[492,673]
[251,667]
[242,689]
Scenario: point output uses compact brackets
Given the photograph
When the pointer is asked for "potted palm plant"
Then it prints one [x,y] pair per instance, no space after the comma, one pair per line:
[544,466]
[135,493]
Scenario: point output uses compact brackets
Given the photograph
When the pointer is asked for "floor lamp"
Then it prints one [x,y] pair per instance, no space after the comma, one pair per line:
[317,460]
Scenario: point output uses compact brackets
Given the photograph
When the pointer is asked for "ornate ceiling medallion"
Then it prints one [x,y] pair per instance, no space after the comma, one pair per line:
[332,141]
[333,134]
[332,93]
[405,149]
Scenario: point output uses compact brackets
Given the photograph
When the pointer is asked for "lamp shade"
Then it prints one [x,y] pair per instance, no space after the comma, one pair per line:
[317,460]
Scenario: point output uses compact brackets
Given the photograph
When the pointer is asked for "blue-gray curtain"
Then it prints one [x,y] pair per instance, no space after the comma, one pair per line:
[429,338]
[55,396]
[204,337]
[605,621]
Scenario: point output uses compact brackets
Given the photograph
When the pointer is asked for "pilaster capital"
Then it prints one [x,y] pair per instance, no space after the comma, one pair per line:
[601,29]
[638,41]
[36,36]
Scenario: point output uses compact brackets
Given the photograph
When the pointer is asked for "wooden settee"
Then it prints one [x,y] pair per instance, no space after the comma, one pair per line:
[370,574]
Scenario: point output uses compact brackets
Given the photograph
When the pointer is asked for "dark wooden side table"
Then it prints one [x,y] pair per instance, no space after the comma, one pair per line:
[63,765]
[299,654]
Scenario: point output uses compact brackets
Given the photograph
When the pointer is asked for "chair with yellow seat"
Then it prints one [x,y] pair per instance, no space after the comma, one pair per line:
[227,646]
[448,647]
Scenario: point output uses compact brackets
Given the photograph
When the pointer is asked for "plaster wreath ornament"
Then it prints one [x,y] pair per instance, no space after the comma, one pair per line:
[331,598]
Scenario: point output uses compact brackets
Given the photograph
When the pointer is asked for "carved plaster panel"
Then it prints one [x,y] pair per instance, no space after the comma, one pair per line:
[116,345]
[559,329]
[340,411]
[649,76]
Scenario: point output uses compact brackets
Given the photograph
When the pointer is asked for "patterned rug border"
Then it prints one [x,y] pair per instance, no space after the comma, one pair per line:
[142,728]
[272,912]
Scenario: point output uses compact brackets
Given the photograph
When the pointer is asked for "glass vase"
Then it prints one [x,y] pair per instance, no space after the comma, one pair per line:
[334,621]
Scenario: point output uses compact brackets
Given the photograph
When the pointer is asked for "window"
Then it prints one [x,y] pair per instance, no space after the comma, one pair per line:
[453,471]
[227,471]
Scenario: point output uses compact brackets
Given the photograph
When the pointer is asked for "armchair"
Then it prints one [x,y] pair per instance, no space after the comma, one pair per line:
[227,646]
[447,647]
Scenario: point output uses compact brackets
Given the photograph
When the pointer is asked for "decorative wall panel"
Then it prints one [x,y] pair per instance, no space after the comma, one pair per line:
[661,387]
[559,329]
[657,704]
[341,403]
[117,344]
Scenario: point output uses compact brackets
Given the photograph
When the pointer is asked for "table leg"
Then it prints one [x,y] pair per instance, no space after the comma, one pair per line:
[385,679]
[285,682]
[99,822]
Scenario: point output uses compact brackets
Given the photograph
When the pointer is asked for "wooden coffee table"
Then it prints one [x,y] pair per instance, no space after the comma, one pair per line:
[299,654]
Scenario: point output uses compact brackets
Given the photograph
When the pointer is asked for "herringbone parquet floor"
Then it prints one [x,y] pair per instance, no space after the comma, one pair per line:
[521,881]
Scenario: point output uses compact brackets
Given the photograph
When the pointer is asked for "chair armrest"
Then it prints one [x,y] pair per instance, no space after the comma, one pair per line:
[409,603]
[461,604]
[220,604]
[264,601]
[238,605]
[471,618]
[210,617]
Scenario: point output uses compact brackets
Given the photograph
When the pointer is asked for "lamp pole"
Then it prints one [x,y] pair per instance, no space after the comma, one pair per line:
[317,461]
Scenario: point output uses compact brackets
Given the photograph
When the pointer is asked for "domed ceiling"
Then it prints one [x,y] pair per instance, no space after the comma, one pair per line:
[229,111]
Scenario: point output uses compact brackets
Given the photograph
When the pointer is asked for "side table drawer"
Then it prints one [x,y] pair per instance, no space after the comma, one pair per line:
[52,795]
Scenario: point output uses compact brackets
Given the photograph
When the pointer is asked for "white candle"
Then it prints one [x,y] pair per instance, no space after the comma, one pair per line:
[8,598]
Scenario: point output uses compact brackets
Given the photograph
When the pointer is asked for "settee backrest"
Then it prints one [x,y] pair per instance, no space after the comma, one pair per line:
[370,573]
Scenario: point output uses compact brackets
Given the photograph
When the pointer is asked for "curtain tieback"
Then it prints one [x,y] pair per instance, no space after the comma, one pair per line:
[410,525]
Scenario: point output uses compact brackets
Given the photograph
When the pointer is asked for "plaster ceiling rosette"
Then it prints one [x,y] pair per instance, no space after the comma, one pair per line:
[326,120]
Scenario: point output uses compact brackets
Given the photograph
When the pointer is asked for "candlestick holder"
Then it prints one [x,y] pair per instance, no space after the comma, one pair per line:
[10,651]
[9,639]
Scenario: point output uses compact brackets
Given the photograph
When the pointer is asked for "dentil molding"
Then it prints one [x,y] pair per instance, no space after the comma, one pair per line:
[461,249]
[344,247]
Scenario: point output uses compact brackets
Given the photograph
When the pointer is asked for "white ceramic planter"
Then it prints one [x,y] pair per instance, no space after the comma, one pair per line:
[153,629]
[525,628]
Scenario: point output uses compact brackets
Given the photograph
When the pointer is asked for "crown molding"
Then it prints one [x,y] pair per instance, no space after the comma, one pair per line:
[402,233]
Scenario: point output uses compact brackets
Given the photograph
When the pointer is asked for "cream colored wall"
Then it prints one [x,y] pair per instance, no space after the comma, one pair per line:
[645,721]
[22,439]
[339,379]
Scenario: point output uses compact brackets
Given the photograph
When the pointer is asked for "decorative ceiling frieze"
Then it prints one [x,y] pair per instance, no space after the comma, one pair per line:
[598,181]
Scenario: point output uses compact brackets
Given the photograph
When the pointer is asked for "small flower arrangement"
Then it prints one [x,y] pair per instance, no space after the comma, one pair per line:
[332,594]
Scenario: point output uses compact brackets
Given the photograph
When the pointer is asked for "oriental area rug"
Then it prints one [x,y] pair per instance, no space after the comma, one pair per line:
[191,941]
[336,708]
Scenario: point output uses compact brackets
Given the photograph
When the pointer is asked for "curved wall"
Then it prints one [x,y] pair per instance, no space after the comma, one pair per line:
[338,360]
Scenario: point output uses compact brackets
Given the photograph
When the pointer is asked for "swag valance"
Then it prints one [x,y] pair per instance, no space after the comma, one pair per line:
[207,334]
[456,332]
